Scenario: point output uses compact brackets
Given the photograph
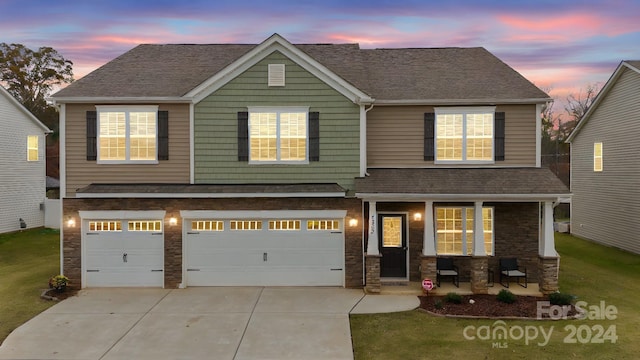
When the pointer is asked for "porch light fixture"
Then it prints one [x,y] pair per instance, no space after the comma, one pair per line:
[417,216]
[71,222]
[173,221]
[353,222]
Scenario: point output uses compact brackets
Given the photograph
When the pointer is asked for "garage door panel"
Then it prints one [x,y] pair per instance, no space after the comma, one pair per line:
[265,257]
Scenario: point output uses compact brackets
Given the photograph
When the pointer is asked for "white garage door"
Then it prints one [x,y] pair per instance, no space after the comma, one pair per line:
[275,249]
[121,252]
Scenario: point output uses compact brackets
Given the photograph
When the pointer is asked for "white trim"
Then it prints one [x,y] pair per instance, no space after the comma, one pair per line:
[363,139]
[538,135]
[429,235]
[121,100]
[277,43]
[263,214]
[122,214]
[209,195]
[459,197]
[62,111]
[192,156]
[460,102]
[373,238]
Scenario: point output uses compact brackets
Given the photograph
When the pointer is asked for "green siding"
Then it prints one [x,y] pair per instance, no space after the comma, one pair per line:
[215,129]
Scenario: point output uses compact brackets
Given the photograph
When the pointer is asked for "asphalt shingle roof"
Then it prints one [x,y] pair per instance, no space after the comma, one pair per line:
[481,181]
[385,74]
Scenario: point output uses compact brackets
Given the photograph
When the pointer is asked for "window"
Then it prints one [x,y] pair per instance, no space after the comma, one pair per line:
[127,134]
[278,135]
[284,224]
[105,225]
[145,225]
[464,134]
[454,233]
[323,225]
[207,225]
[245,225]
[597,157]
[32,148]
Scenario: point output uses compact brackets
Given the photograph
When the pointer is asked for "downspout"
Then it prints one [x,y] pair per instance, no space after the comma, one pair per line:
[62,111]
[363,172]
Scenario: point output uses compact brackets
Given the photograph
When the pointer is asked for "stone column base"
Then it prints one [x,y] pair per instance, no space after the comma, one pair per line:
[372,273]
[428,267]
[479,274]
[548,268]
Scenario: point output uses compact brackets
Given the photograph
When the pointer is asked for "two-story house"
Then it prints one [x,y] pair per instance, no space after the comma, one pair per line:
[313,164]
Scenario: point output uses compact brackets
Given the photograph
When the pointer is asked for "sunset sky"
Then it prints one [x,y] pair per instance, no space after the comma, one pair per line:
[561,46]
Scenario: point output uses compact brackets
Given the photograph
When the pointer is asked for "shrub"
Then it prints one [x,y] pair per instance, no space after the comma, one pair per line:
[506,296]
[453,298]
[438,304]
[58,282]
[559,298]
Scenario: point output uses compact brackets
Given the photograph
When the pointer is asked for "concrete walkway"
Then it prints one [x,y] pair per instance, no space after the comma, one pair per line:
[199,323]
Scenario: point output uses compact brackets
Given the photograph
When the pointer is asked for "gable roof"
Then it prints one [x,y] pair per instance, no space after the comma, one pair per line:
[633,65]
[407,75]
[24,110]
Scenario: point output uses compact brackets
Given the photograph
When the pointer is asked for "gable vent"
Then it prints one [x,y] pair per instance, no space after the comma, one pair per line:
[276,74]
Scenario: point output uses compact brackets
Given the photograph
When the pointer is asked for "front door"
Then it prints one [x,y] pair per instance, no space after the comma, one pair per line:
[393,245]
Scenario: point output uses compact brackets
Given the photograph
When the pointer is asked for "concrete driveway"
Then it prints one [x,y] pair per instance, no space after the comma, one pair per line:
[199,323]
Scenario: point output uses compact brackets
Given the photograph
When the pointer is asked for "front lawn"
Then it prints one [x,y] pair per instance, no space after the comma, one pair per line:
[27,260]
[601,276]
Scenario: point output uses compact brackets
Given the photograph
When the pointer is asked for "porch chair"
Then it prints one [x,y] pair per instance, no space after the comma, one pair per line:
[509,268]
[445,267]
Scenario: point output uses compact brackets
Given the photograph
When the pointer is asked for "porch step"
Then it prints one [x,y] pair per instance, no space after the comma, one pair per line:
[400,287]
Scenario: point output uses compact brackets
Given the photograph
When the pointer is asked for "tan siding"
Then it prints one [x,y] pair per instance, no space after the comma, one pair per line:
[395,136]
[605,205]
[80,172]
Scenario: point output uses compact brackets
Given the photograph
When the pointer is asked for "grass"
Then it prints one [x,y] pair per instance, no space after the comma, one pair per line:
[27,260]
[592,272]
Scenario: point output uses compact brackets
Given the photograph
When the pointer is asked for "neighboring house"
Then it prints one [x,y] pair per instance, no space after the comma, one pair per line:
[315,164]
[605,170]
[22,166]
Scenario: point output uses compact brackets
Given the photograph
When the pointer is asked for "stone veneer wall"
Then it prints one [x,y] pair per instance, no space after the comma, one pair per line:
[173,234]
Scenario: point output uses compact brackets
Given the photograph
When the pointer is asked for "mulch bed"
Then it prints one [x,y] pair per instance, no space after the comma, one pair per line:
[56,295]
[487,306]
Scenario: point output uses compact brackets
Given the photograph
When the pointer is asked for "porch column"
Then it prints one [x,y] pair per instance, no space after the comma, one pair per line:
[372,244]
[547,241]
[429,240]
[478,231]
[428,260]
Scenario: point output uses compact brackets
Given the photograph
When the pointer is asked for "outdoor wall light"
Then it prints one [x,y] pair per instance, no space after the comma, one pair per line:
[353,222]
[173,221]
[417,216]
[71,222]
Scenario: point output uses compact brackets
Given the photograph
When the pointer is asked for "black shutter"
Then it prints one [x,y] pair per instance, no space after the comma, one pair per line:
[243,136]
[163,135]
[314,136]
[429,137]
[499,123]
[92,133]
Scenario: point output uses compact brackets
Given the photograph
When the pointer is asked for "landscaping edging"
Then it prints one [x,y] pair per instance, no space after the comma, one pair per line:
[474,317]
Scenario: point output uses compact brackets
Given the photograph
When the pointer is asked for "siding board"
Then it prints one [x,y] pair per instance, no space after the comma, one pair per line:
[605,205]
[395,136]
[81,172]
[216,129]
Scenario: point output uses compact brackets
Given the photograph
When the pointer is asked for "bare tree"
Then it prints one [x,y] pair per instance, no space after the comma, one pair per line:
[577,106]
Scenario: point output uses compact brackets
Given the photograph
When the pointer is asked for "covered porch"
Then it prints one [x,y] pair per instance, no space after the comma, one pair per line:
[474,217]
